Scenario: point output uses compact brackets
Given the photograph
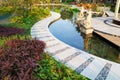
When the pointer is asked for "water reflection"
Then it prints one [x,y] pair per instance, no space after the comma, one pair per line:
[5,16]
[87,39]
[101,48]
[97,46]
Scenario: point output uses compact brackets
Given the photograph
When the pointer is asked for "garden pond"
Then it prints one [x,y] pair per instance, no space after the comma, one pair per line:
[66,30]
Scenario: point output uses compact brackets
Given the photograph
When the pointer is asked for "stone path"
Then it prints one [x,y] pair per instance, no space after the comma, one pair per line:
[86,64]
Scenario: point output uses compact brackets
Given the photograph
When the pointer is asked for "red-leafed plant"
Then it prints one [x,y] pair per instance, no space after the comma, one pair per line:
[7,31]
[19,58]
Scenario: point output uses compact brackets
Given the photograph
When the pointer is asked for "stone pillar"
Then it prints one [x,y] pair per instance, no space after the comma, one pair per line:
[88,20]
[86,26]
[117,9]
[80,19]
[104,13]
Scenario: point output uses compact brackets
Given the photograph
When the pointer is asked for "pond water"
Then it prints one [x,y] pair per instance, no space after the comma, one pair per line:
[67,31]
[4,16]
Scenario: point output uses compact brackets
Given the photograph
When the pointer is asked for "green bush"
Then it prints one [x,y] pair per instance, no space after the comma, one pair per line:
[113,8]
[50,69]
[100,4]
[108,4]
[75,10]
[57,10]
[66,13]
[32,16]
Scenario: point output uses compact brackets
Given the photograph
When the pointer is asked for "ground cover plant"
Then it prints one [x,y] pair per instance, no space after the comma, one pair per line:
[50,69]
[25,60]
[18,58]
[7,31]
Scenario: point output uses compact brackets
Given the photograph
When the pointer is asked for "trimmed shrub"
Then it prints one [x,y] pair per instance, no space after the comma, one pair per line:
[19,58]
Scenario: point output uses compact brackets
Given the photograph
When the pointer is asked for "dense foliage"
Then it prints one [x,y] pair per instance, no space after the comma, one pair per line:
[23,16]
[113,8]
[76,10]
[68,1]
[25,13]
[7,31]
[50,69]
[6,10]
[92,6]
[19,58]
[66,13]
[35,14]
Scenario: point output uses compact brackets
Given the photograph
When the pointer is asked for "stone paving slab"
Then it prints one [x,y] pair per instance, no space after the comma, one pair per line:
[82,62]
[93,69]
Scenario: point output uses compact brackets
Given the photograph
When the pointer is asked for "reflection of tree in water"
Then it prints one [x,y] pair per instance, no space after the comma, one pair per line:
[77,29]
[74,18]
[66,13]
[102,49]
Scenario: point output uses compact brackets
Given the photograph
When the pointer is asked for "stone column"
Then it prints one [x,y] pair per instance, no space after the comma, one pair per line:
[80,19]
[88,20]
[117,9]
[86,26]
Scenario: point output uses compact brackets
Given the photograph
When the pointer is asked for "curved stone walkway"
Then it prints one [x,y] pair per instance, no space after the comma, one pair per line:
[110,23]
[86,64]
[104,25]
